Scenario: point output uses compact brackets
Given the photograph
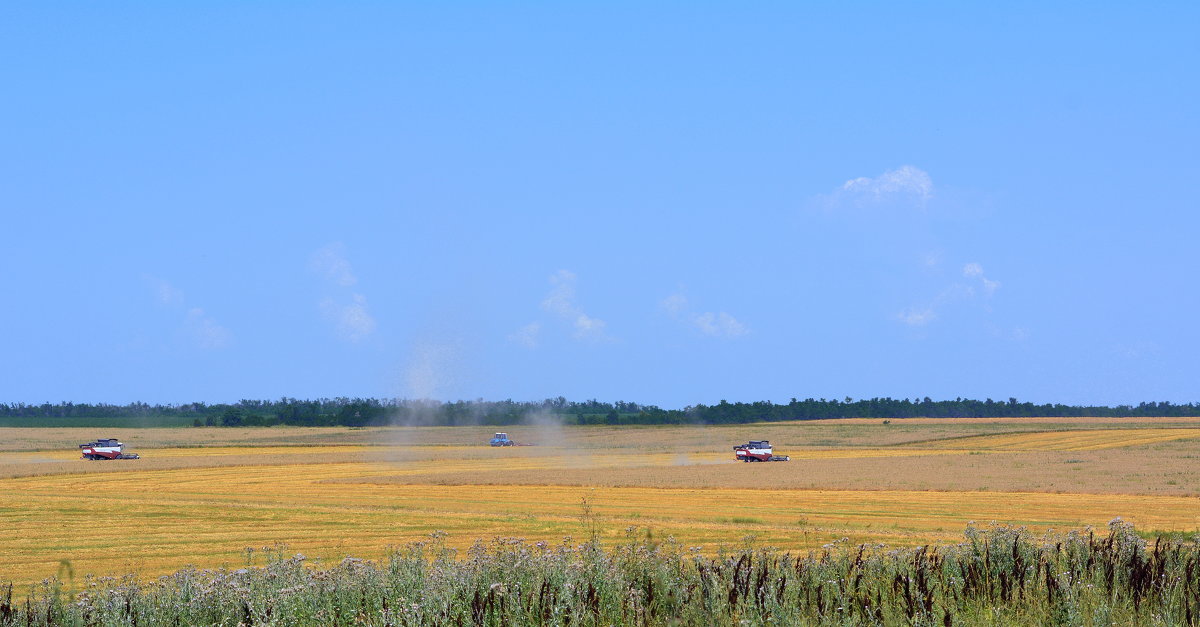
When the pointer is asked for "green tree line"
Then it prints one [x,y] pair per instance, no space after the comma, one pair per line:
[361,412]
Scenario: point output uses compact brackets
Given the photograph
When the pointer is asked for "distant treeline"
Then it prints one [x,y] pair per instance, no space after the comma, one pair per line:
[361,412]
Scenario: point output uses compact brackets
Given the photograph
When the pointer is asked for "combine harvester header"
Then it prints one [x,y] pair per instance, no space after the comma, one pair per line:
[106,448]
[758,451]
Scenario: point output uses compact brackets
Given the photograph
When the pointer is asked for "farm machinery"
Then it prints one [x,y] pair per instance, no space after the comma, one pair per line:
[758,451]
[502,439]
[106,448]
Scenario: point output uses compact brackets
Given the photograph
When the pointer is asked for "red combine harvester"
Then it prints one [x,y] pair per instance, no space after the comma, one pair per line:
[105,448]
[758,451]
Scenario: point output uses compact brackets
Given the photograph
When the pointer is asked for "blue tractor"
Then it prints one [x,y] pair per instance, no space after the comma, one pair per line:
[501,439]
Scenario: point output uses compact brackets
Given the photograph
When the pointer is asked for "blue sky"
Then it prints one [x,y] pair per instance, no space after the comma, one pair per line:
[673,204]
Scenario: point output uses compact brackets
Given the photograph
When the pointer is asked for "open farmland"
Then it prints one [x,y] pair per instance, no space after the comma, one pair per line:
[1078,440]
[203,496]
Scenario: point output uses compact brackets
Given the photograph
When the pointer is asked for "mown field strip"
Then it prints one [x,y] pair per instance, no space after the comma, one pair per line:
[154,522]
[183,452]
[1078,440]
[1138,422]
[412,460]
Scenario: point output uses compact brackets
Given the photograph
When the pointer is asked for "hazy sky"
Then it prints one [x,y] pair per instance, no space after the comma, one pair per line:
[673,205]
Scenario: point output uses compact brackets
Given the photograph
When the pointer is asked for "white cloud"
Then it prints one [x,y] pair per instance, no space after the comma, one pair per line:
[330,262]
[527,336]
[975,271]
[907,184]
[712,324]
[958,291]
[903,181]
[202,329]
[916,317]
[205,330]
[719,325]
[561,302]
[561,299]
[352,321]
[674,304]
[167,293]
[587,326]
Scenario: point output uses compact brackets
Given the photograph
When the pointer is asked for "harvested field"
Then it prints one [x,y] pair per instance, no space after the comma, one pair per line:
[1081,440]
[795,434]
[167,519]
[1055,422]
[1166,469]
[203,496]
[410,461]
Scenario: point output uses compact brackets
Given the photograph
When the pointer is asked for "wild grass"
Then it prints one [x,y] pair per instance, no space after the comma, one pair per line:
[999,575]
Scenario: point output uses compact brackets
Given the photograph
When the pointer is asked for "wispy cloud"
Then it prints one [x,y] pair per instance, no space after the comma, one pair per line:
[713,324]
[330,262]
[903,181]
[351,320]
[975,271]
[956,292]
[167,294]
[348,311]
[719,324]
[561,299]
[905,184]
[201,329]
[674,304]
[917,316]
[206,331]
[527,336]
[561,302]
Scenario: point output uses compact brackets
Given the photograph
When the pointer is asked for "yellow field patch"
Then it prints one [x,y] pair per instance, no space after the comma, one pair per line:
[1079,440]
[1118,421]
[332,493]
[156,521]
[173,453]
[413,460]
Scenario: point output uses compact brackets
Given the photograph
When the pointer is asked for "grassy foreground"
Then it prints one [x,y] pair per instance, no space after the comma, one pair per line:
[1000,575]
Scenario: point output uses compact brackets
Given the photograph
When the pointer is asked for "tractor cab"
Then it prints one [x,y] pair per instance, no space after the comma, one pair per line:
[102,442]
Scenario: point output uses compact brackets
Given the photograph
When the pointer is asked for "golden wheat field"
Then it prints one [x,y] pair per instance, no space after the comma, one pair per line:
[216,497]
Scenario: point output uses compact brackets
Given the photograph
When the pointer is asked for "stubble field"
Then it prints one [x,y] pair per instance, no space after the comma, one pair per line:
[213,497]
